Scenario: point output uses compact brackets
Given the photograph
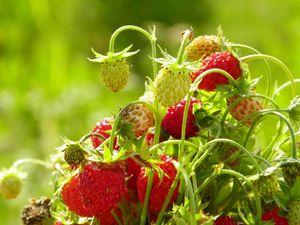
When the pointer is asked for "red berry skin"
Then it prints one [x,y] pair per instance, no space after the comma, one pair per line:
[102,186]
[72,199]
[132,172]
[225,220]
[275,217]
[102,128]
[172,122]
[160,187]
[219,60]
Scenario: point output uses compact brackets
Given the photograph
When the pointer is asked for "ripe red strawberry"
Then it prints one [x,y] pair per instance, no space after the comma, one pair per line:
[72,198]
[139,117]
[172,122]
[245,107]
[219,60]
[160,187]
[132,171]
[203,45]
[102,128]
[102,186]
[225,220]
[107,218]
[275,217]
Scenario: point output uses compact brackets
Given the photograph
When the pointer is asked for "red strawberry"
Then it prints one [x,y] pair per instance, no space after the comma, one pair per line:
[71,197]
[172,122]
[102,128]
[132,171]
[275,217]
[244,108]
[160,187]
[225,220]
[102,186]
[106,217]
[219,60]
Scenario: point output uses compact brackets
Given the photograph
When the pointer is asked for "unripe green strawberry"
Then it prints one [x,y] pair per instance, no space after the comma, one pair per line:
[291,171]
[37,212]
[244,108]
[294,213]
[266,184]
[10,183]
[136,119]
[203,45]
[114,69]
[74,153]
[172,84]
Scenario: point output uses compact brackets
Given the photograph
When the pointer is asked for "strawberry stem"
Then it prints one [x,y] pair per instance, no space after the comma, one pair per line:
[274,60]
[285,85]
[229,141]
[290,127]
[151,36]
[31,161]
[239,175]
[147,197]
[268,88]
[196,83]
[186,35]
[168,198]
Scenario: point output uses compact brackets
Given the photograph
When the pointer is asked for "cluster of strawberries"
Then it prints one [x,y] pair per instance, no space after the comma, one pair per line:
[187,151]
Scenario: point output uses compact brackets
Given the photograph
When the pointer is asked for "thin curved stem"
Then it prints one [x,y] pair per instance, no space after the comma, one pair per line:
[150,36]
[229,141]
[239,175]
[31,161]
[185,39]
[147,197]
[268,89]
[278,62]
[285,85]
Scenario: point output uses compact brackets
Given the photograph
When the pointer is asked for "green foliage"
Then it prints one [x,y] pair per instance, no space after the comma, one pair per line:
[48,89]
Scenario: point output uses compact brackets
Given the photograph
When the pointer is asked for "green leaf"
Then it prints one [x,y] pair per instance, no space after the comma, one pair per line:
[180,221]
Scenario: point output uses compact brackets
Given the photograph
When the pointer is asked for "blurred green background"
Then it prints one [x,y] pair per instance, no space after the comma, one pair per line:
[48,88]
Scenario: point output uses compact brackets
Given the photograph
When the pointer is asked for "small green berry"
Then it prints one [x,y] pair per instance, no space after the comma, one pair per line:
[10,184]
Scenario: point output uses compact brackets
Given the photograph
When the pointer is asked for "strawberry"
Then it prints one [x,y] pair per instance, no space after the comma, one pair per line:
[266,184]
[201,46]
[138,118]
[102,186]
[219,60]
[294,212]
[37,212]
[133,167]
[274,216]
[72,198]
[291,171]
[225,220]
[102,127]
[114,69]
[160,187]
[244,108]
[172,84]
[11,183]
[172,121]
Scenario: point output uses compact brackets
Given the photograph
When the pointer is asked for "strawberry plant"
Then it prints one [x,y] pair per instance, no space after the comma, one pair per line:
[191,150]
